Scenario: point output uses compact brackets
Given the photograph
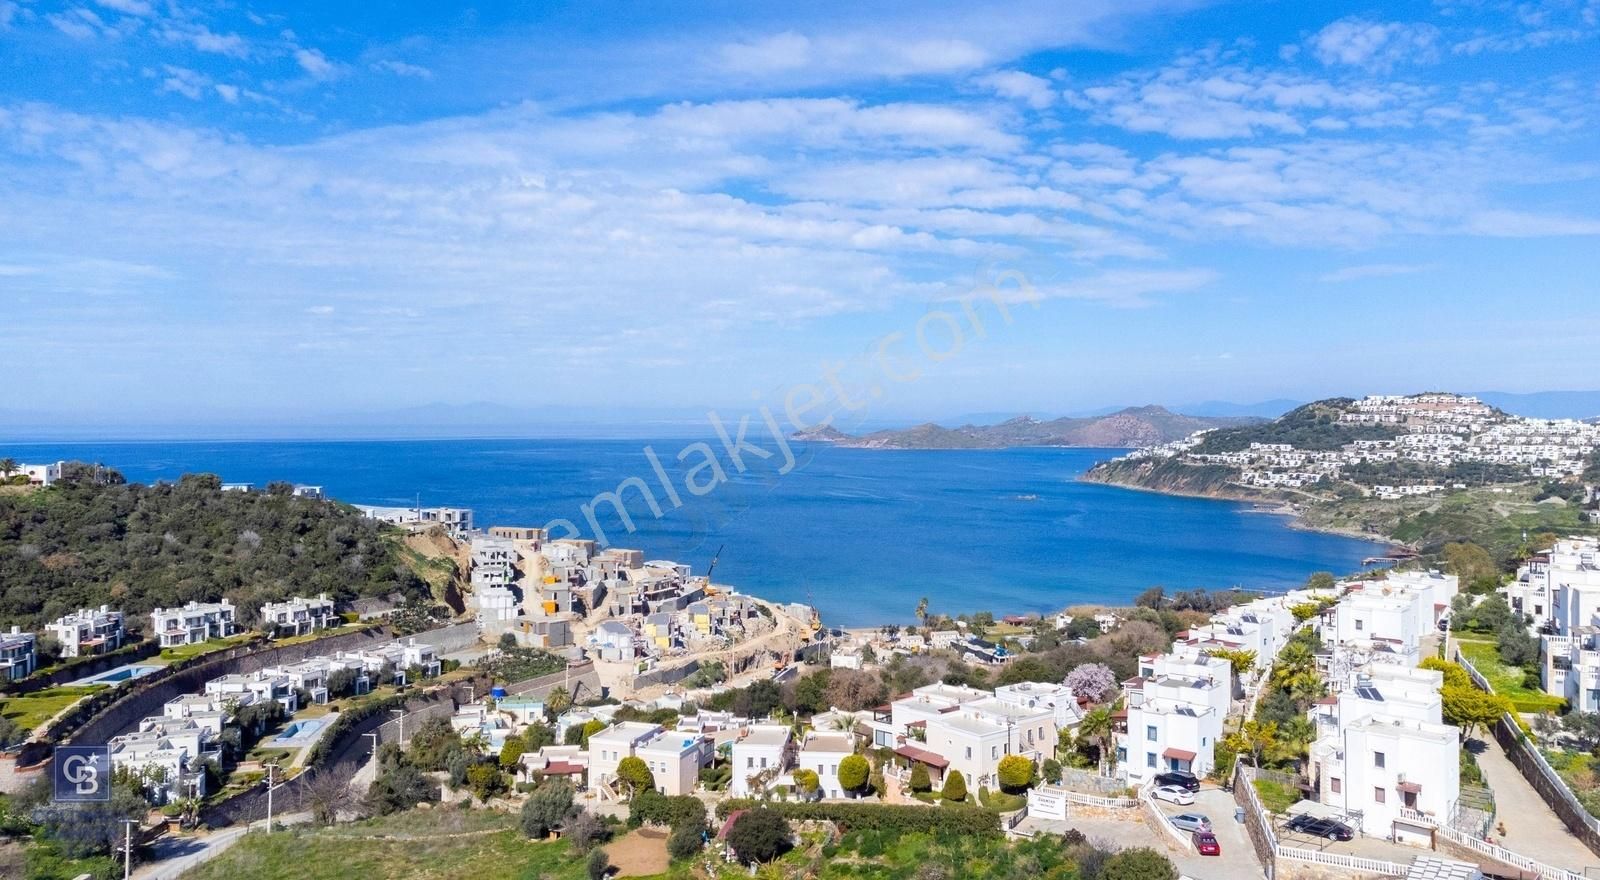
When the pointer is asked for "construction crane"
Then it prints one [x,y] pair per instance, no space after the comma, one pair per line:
[710,590]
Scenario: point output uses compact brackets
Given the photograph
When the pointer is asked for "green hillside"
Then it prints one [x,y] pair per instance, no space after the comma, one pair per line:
[93,538]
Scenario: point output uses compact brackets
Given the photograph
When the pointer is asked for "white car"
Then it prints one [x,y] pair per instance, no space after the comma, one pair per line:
[1173,794]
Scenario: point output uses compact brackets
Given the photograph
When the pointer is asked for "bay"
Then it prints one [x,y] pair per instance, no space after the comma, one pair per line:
[860,534]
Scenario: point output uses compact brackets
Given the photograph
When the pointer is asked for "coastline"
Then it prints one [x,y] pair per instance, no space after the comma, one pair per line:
[1285,509]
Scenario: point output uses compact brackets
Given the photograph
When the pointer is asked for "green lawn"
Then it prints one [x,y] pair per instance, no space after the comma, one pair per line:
[443,844]
[184,652]
[1276,796]
[1483,653]
[31,710]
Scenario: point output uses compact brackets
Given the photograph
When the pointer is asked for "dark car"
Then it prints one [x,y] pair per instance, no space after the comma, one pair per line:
[1206,844]
[1178,778]
[1332,829]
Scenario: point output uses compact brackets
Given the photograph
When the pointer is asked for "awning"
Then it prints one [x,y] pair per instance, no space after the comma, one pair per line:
[561,768]
[923,756]
[1410,787]
[1178,754]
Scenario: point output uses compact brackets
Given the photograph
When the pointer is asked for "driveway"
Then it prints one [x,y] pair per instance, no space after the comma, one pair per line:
[1237,853]
[1532,829]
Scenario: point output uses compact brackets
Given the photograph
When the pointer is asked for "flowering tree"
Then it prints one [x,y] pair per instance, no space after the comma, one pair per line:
[1092,681]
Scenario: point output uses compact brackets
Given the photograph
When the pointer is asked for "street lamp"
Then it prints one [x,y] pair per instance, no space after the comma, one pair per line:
[400,715]
[127,847]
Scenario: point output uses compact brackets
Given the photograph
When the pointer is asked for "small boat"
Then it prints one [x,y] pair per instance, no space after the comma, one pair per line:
[1027,498]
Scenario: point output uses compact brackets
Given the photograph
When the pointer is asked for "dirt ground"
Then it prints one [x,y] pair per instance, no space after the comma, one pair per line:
[641,853]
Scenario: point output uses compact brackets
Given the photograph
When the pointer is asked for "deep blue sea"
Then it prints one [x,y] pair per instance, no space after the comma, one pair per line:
[861,534]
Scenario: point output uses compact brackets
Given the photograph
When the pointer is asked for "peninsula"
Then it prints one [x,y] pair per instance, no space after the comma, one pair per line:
[1131,427]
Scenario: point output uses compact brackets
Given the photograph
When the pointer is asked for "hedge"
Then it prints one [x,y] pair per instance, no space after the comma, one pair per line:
[895,818]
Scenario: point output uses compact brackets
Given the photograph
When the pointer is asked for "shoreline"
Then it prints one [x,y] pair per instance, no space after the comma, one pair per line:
[1285,509]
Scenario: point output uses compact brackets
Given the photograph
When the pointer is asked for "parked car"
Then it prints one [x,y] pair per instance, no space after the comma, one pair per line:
[1206,843]
[1316,826]
[1190,822]
[1173,794]
[1178,777]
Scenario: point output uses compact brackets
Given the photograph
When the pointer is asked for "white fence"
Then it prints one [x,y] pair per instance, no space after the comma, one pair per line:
[1501,854]
[1090,800]
[1335,860]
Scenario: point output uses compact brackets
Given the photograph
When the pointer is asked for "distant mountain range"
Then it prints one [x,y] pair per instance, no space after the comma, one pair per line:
[1134,426]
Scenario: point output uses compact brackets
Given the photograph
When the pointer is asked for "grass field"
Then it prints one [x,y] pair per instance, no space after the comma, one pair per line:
[1276,796]
[34,709]
[184,652]
[1483,653]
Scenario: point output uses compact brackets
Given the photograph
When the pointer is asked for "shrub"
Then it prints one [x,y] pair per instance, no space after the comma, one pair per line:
[1015,772]
[654,808]
[583,831]
[598,865]
[807,780]
[1138,864]
[759,835]
[1052,771]
[685,842]
[955,787]
[853,773]
[511,752]
[919,778]
[485,780]
[635,773]
[955,820]
[546,808]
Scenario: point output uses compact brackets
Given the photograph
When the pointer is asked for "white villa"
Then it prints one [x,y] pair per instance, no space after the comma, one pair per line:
[88,631]
[1176,708]
[759,755]
[195,622]
[18,654]
[298,616]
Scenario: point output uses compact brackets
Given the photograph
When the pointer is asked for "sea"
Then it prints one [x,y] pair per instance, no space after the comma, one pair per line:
[860,534]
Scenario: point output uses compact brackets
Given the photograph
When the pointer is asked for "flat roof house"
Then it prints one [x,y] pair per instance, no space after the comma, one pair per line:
[760,754]
[298,616]
[88,631]
[195,622]
[18,654]
[821,754]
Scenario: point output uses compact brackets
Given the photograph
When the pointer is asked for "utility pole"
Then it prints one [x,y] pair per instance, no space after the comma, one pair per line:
[127,847]
[400,714]
[270,768]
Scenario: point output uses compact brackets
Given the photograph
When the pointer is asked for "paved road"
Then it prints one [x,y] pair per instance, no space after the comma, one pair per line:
[171,856]
[1532,828]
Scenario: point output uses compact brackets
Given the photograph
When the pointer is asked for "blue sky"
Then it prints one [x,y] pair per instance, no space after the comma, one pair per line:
[252,210]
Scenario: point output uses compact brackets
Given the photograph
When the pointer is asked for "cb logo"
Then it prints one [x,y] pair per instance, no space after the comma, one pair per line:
[82,774]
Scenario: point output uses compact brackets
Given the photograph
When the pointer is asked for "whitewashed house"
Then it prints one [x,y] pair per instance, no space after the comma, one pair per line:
[760,754]
[821,754]
[19,654]
[88,631]
[298,616]
[193,623]
[1176,708]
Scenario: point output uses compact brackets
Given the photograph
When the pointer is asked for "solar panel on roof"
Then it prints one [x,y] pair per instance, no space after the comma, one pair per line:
[1368,692]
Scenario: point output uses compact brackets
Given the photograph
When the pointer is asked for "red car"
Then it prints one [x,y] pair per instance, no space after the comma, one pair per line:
[1206,843]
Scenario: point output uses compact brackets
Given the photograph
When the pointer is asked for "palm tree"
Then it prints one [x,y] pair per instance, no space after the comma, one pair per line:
[922,611]
[558,700]
[1097,728]
[1296,672]
[9,466]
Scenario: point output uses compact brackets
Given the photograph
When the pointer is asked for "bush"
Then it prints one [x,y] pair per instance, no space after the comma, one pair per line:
[598,865]
[546,808]
[1015,772]
[1052,771]
[759,835]
[955,820]
[685,842]
[1138,864]
[955,787]
[919,778]
[853,773]
[651,807]
[635,773]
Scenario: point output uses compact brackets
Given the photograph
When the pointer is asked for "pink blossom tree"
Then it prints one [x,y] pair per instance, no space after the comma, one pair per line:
[1094,682]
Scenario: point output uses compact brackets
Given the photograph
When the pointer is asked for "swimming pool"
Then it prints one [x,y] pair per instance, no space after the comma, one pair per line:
[119,675]
[300,730]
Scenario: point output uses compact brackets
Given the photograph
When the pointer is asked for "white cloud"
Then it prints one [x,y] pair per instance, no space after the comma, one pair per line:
[313,62]
[227,92]
[1035,91]
[203,39]
[8,13]
[777,52]
[185,82]
[1373,270]
[1375,45]
[1129,288]
[401,68]
[128,7]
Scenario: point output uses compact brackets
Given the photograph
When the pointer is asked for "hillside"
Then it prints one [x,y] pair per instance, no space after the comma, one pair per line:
[1132,427]
[95,539]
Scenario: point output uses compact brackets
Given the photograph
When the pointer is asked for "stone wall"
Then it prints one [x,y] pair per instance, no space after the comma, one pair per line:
[1262,840]
[84,668]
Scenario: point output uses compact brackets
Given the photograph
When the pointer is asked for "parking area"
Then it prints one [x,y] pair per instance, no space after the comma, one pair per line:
[1366,847]
[1237,853]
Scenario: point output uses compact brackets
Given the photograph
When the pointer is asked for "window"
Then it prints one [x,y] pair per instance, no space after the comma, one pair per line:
[969,753]
[1378,795]
[1377,759]
[1150,732]
[1149,759]
[763,763]
[749,761]
[1360,625]
[994,752]
[1336,785]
